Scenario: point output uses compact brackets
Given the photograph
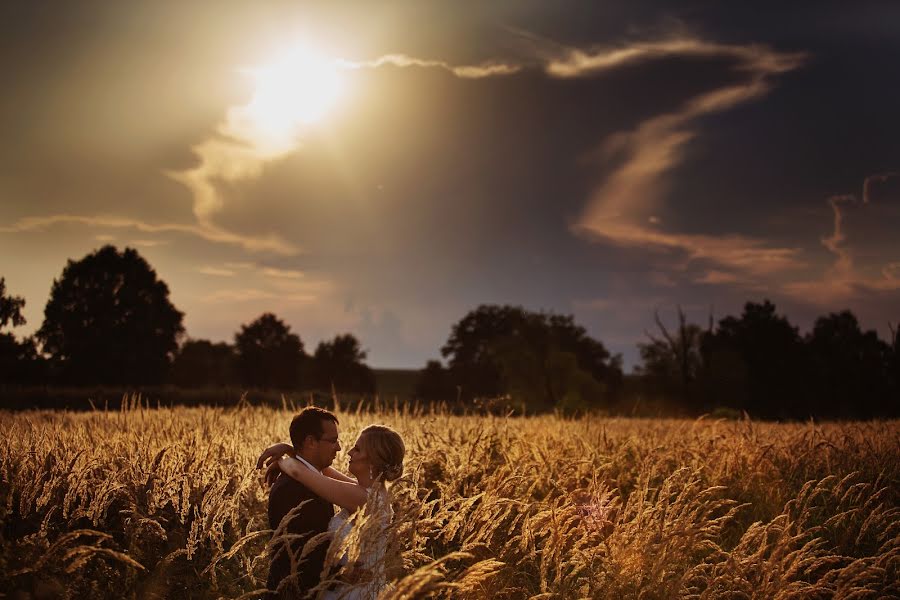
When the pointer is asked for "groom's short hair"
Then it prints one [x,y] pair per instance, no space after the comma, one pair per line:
[309,422]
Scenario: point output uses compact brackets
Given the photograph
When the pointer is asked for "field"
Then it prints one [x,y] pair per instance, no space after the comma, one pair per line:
[156,503]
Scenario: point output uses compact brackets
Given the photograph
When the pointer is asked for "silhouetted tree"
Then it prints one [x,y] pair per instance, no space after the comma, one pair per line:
[590,354]
[769,350]
[850,368]
[724,381]
[541,358]
[340,363]
[200,363]
[10,307]
[109,320]
[673,362]
[268,354]
[19,361]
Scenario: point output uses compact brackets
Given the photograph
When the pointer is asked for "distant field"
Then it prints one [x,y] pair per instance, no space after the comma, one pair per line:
[391,385]
[165,503]
[397,384]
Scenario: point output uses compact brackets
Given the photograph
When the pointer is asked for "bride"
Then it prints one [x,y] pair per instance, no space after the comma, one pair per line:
[360,541]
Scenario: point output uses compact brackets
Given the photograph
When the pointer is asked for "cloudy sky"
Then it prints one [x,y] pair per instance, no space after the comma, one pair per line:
[382,168]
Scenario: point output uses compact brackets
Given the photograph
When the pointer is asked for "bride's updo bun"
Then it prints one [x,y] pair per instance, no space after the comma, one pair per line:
[385,450]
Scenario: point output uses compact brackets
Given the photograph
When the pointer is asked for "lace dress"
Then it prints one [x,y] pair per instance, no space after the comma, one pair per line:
[362,540]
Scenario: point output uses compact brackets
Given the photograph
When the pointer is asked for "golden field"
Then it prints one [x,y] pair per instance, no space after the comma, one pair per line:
[157,503]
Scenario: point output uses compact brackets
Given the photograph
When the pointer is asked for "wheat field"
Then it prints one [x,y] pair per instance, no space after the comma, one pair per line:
[159,503]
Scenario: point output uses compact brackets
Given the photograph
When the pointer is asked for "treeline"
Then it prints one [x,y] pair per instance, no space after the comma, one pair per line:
[759,363]
[109,321]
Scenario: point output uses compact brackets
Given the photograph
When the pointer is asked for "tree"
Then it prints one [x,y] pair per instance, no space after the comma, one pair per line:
[268,354]
[109,320]
[19,361]
[538,357]
[469,348]
[850,368]
[673,363]
[340,364]
[770,354]
[10,307]
[201,362]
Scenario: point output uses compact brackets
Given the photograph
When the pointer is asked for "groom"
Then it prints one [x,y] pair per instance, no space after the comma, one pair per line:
[314,434]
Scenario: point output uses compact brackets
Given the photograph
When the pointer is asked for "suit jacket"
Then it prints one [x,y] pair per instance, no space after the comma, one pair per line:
[313,518]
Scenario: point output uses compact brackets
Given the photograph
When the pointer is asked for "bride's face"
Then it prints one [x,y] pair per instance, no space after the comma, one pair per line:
[359,462]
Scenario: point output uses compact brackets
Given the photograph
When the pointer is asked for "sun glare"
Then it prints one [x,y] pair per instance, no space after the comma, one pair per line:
[296,89]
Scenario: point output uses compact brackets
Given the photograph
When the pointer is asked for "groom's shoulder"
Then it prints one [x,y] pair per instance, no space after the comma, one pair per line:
[291,491]
[284,486]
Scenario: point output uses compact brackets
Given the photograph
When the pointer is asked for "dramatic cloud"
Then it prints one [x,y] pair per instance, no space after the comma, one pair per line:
[845,280]
[622,210]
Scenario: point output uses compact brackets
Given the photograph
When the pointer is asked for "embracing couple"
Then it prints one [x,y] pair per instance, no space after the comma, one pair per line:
[304,489]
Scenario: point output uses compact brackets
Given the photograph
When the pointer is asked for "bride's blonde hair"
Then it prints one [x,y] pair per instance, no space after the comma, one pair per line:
[385,450]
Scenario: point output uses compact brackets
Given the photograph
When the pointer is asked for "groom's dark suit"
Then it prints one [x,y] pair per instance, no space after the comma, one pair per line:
[313,518]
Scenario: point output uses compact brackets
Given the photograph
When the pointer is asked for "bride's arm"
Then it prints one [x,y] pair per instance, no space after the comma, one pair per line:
[276,451]
[343,493]
[335,474]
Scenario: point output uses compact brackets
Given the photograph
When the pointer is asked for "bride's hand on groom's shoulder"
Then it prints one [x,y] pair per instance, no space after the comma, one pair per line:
[267,479]
[273,452]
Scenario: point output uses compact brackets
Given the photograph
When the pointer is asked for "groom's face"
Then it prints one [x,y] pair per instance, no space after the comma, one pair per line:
[327,446]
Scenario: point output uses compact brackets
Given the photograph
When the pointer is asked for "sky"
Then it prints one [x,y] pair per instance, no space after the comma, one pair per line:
[383,168]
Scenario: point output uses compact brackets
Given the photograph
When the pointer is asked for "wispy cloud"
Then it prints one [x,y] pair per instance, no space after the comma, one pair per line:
[478,71]
[282,273]
[149,243]
[240,265]
[255,295]
[873,181]
[843,265]
[216,271]
[252,269]
[622,209]
[716,277]
[269,243]
[754,59]
[742,253]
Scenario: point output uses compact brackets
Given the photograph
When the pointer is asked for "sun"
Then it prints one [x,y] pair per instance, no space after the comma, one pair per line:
[298,88]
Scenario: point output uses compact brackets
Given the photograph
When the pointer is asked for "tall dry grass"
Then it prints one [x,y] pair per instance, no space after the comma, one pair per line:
[165,503]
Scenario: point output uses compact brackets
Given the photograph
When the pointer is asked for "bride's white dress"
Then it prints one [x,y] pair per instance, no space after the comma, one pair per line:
[364,542]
